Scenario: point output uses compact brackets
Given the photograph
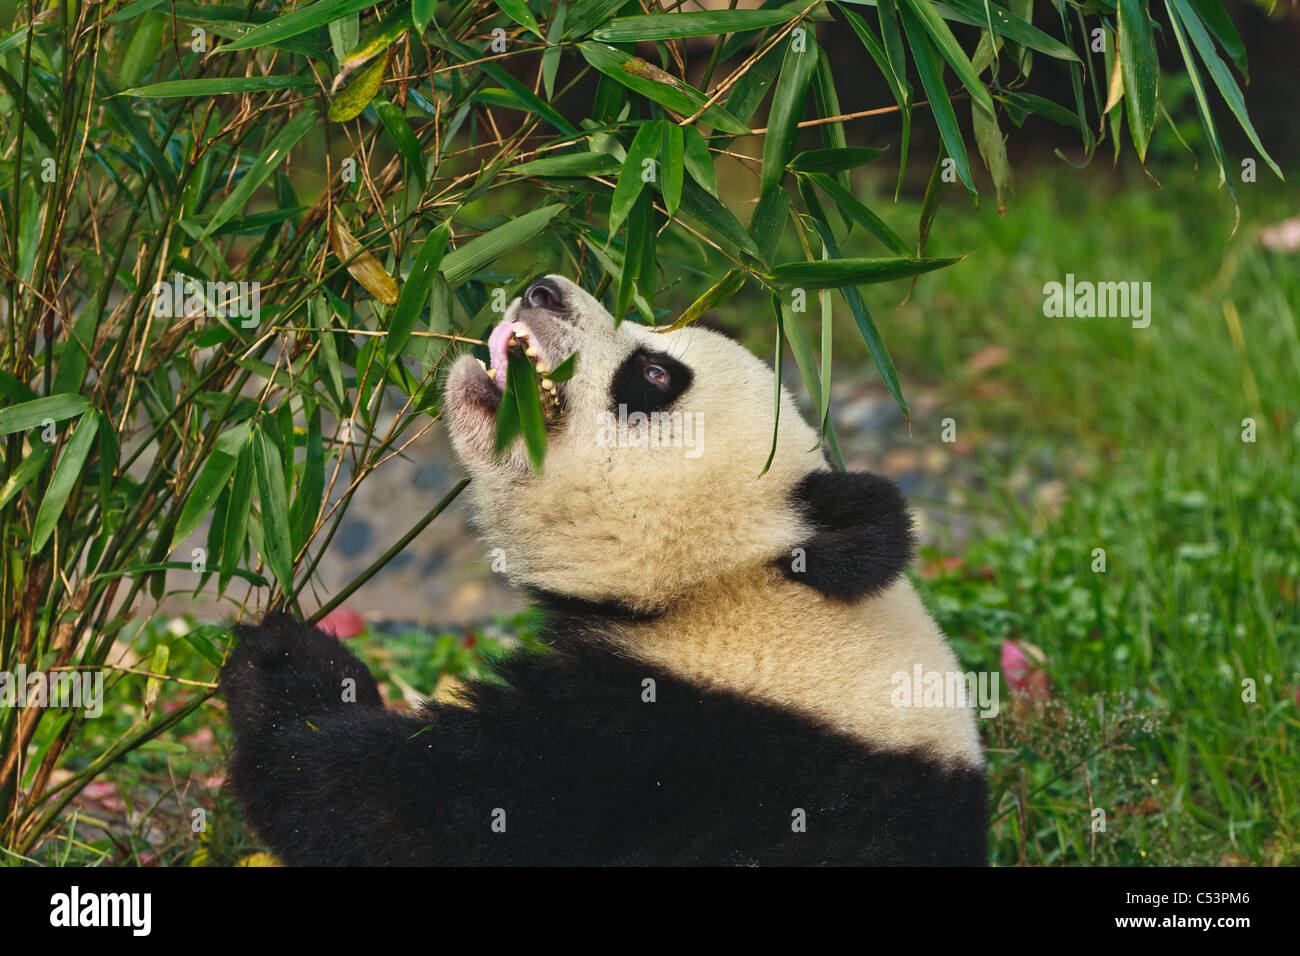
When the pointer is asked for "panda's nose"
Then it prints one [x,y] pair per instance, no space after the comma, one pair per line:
[545,294]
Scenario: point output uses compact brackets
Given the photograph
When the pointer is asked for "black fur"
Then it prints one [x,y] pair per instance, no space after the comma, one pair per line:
[864,538]
[580,609]
[631,388]
[585,770]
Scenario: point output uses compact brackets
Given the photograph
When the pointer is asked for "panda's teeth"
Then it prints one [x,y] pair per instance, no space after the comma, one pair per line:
[531,352]
[541,368]
[522,331]
[548,385]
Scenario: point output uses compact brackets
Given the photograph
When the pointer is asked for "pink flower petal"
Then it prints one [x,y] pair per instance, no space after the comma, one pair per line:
[342,623]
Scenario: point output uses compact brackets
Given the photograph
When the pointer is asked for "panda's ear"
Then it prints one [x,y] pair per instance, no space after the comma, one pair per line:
[862,539]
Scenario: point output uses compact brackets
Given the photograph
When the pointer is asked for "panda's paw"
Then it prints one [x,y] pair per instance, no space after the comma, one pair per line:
[283,668]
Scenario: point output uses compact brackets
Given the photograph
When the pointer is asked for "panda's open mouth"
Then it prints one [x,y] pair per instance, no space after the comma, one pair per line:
[515,336]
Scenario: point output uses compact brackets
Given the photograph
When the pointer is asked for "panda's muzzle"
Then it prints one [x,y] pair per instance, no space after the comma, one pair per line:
[531,331]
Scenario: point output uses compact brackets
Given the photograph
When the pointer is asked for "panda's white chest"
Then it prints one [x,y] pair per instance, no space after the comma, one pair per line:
[782,644]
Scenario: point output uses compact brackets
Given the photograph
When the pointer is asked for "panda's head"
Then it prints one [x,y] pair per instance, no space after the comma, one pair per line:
[653,481]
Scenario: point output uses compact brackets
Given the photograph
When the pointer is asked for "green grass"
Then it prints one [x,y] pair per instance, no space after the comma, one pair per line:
[1142,428]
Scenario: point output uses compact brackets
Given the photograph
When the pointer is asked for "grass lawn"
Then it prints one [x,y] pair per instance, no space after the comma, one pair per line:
[1174,673]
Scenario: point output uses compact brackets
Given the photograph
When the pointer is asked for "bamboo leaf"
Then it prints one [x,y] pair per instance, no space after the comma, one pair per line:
[265,164]
[1040,106]
[526,96]
[276,547]
[1004,23]
[554,49]
[66,472]
[930,204]
[356,96]
[1202,105]
[797,336]
[698,161]
[1141,70]
[860,213]
[311,487]
[212,479]
[521,383]
[993,149]
[639,239]
[362,266]
[892,39]
[219,85]
[306,18]
[1216,20]
[751,89]
[776,366]
[140,137]
[828,105]
[787,109]
[649,81]
[1222,76]
[564,371]
[932,79]
[399,129]
[929,20]
[142,52]
[824,408]
[318,311]
[507,423]
[720,292]
[586,15]
[157,665]
[672,163]
[570,165]
[234,538]
[896,78]
[769,221]
[518,11]
[416,290]
[17,418]
[344,34]
[725,227]
[422,13]
[707,23]
[31,465]
[390,29]
[131,10]
[462,263]
[632,179]
[203,640]
[867,329]
[837,273]
[833,160]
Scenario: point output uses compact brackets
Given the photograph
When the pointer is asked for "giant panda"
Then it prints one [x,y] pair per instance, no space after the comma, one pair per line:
[717,688]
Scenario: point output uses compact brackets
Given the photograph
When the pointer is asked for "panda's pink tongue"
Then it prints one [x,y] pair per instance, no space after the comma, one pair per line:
[498,342]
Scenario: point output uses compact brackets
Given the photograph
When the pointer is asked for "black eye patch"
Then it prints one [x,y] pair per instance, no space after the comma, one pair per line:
[641,388]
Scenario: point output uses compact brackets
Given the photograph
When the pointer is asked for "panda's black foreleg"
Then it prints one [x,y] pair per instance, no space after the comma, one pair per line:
[325,774]
[283,669]
[351,788]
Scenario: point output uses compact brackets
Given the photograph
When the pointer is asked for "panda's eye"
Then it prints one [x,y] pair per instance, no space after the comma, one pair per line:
[647,381]
[657,375]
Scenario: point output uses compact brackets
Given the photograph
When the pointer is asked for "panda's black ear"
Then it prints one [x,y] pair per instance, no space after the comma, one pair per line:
[863,536]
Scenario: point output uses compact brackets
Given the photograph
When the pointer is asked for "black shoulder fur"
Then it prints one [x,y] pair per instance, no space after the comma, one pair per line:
[863,537]
[568,764]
